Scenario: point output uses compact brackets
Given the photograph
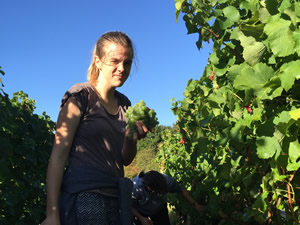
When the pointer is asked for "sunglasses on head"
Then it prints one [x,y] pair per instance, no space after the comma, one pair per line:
[149,189]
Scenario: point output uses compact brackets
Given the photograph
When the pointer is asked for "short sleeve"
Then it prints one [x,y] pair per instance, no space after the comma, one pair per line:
[136,192]
[172,184]
[81,95]
[136,188]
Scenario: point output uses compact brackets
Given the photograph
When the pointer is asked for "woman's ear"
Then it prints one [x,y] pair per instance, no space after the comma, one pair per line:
[98,62]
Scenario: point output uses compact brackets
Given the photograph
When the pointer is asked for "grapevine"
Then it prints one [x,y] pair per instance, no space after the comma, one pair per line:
[237,146]
[140,112]
[26,141]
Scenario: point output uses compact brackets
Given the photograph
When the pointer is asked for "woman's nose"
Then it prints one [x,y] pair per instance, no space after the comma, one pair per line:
[120,66]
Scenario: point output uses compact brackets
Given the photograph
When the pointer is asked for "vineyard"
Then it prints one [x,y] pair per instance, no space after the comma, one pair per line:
[26,141]
[237,146]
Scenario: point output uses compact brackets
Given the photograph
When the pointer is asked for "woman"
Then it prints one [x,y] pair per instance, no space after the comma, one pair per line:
[149,198]
[92,140]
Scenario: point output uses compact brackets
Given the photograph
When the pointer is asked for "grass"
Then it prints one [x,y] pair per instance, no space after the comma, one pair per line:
[145,160]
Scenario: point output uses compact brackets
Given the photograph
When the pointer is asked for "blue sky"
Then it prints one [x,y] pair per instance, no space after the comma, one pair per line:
[46,47]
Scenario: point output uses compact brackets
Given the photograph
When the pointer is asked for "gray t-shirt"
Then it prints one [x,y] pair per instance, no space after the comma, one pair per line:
[99,137]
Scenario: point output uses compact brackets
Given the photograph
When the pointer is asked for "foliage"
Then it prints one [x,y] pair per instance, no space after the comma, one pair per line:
[26,140]
[147,153]
[237,146]
[153,139]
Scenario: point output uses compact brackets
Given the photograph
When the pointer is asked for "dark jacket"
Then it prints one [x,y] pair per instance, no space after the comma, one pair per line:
[82,178]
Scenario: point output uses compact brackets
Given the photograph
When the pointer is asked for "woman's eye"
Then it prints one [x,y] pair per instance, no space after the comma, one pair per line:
[114,62]
[128,63]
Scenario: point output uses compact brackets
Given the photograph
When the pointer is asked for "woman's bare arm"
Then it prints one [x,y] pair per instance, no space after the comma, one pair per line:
[67,123]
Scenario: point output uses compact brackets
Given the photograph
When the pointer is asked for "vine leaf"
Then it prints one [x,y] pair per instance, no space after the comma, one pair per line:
[266,147]
[289,72]
[294,151]
[255,78]
[295,114]
[178,4]
[232,15]
[293,166]
[283,121]
[253,50]
[260,206]
[280,37]
[296,36]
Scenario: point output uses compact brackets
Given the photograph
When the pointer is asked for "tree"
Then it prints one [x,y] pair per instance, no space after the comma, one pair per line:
[238,142]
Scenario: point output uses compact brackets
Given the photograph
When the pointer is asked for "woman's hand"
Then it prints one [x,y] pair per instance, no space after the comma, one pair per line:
[142,130]
[198,207]
[145,221]
[51,220]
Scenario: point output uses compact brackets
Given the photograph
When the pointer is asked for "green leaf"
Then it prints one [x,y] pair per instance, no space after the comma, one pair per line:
[284,5]
[280,37]
[236,163]
[289,72]
[266,147]
[197,3]
[263,15]
[283,121]
[255,78]
[297,8]
[235,34]
[178,5]
[253,50]
[231,16]
[218,96]
[222,1]
[293,166]
[252,5]
[253,30]
[236,133]
[295,114]
[291,13]
[233,72]
[213,58]
[294,151]
[283,117]
[260,206]
[296,36]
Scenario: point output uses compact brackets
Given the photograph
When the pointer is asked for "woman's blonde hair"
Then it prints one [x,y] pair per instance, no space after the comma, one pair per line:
[112,36]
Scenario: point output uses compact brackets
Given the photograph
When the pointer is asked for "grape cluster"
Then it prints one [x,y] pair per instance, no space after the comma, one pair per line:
[140,112]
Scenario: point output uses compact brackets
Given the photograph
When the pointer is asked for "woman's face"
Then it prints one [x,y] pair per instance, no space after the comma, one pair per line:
[115,65]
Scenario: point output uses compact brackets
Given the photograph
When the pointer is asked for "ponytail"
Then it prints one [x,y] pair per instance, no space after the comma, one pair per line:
[93,71]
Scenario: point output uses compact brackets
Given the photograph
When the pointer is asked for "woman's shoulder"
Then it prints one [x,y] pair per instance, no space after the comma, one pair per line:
[80,91]
[78,87]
